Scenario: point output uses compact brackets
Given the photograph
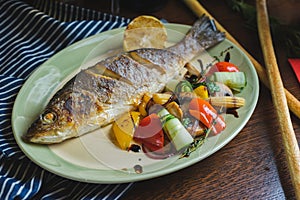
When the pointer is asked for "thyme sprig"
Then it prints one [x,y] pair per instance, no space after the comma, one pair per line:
[199,141]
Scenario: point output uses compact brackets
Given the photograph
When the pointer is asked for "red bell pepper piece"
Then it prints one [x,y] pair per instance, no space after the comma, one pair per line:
[205,113]
[150,133]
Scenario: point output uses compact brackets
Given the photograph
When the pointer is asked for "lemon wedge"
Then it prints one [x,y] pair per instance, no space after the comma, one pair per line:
[144,32]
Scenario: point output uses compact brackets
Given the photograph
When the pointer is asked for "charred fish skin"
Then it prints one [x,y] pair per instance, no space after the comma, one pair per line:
[99,94]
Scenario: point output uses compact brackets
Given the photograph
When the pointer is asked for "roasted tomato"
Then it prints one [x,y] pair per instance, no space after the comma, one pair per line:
[150,133]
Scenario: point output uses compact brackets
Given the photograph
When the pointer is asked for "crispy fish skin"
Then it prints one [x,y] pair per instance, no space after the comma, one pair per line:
[98,95]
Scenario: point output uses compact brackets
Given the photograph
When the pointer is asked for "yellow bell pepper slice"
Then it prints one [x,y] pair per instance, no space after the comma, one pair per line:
[123,128]
[201,91]
[136,117]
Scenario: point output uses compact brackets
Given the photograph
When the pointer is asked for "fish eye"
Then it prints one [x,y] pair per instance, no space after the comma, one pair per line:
[49,117]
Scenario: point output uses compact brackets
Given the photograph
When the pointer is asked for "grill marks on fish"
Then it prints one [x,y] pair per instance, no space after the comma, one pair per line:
[93,94]
[125,80]
[130,71]
[99,87]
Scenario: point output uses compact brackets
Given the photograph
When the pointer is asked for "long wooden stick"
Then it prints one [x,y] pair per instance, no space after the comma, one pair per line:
[276,86]
[292,101]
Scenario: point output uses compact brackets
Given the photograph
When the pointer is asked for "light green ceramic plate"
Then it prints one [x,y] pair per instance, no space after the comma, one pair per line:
[94,157]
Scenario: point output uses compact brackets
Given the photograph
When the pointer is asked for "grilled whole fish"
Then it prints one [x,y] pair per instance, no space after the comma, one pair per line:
[99,94]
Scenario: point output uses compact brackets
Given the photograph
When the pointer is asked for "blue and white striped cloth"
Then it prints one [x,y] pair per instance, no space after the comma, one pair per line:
[29,35]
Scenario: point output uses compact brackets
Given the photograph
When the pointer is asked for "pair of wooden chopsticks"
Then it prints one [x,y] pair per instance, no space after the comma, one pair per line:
[282,98]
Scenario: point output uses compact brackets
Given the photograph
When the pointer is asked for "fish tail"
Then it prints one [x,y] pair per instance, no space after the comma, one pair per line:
[205,32]
[203,35]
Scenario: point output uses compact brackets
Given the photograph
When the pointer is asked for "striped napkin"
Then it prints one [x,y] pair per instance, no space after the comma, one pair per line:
[29,35]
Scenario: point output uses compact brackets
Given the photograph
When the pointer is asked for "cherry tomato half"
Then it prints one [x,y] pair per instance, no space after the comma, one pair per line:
[227,67]
[222,67]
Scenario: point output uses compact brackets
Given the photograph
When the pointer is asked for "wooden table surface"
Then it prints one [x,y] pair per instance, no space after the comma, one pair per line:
[253,164]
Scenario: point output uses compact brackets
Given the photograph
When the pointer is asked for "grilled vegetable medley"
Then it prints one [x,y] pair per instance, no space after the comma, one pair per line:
[178,119]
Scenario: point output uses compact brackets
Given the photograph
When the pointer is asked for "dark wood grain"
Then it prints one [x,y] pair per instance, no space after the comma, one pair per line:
[252,165]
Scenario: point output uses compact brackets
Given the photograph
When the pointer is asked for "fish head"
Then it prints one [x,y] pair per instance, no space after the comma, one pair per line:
[54,125]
